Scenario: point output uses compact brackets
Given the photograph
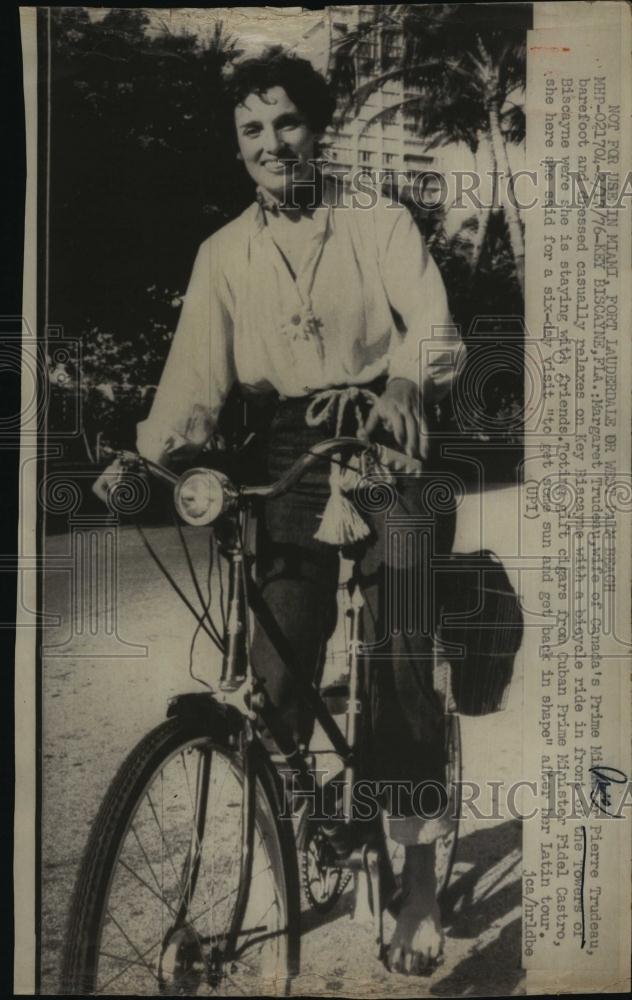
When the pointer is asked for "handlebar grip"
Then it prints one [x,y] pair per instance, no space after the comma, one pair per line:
[124,462]
[110,476]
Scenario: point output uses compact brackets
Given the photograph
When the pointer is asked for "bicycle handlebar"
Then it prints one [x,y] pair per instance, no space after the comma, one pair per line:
[322,450]
[268,491]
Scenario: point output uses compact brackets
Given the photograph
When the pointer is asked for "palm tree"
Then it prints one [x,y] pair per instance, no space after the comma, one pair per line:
[463,73]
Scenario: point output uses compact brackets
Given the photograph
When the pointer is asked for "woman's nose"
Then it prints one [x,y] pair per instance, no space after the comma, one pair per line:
[272,141]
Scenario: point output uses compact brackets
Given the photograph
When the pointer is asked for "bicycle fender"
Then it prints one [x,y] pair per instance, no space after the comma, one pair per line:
[223,721]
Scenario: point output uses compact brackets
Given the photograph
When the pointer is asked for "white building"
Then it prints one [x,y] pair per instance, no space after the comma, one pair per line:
[383,143]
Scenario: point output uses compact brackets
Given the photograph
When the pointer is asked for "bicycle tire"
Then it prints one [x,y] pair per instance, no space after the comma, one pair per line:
[103,857]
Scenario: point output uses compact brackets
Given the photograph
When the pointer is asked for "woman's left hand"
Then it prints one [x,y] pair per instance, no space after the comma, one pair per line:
[399,410]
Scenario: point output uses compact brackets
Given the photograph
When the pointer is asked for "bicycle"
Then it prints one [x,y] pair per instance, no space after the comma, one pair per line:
[190,879]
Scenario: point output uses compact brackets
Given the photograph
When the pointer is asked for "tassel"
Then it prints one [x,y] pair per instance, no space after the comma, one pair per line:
[350,476]
[340,523]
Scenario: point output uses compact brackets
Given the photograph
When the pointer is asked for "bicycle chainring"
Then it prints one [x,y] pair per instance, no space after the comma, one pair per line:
[322,877]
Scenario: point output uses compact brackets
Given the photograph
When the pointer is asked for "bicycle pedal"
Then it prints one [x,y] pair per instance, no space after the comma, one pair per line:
[339,839]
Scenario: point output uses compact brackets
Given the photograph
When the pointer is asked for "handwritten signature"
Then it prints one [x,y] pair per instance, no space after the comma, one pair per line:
[603,777]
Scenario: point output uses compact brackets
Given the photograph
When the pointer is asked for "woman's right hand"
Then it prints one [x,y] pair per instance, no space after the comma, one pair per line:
[116,473]
[399,410]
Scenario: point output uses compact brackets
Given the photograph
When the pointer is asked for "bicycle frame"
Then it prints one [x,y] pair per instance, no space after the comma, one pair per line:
[237,672]
[238,687]
[237,675]
[240,700]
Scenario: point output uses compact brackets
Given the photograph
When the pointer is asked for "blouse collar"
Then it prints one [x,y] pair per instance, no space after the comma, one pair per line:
[265,201]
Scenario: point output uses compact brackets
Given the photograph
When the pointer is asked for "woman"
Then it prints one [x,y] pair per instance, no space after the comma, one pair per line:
[303,293]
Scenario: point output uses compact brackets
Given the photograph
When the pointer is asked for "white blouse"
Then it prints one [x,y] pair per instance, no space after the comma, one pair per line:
[366,300]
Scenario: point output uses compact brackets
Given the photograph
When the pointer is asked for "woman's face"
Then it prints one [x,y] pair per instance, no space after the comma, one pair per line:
[275,141]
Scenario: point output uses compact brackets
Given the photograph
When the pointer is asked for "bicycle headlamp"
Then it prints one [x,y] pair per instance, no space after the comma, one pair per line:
[201,495]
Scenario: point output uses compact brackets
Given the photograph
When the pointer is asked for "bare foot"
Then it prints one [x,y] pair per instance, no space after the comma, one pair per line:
[417,942]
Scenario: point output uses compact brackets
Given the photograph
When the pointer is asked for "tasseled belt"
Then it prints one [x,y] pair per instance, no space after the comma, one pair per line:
[341,522]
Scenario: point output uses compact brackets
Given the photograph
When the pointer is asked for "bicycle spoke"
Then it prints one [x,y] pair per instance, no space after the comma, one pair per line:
[143,852]
[162,835]
[158,928]
[237,987]
[118,975]
[147,886]
[133,946]
[259,940]
[199,855]
[227,895]
[236,857]
[120,958]
[243,946]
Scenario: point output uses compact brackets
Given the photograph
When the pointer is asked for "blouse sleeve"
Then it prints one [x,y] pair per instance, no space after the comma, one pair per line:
[199,370]
[431,352]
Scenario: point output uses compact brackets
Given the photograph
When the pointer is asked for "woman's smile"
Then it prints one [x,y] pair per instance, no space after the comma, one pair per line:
[277,166]
[276,143]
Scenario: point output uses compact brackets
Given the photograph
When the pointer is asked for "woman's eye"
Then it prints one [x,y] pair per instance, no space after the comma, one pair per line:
[252,130]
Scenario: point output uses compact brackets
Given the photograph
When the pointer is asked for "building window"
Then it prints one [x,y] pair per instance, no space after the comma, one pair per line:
[365,156]
[418,158]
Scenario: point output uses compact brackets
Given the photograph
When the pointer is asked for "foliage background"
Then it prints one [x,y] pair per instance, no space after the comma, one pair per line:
[142,169]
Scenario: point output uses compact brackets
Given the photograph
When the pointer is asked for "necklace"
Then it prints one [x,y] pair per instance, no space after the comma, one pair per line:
[303,324]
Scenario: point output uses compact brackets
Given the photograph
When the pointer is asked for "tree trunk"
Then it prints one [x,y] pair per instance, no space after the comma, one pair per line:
[485,165]
[512,215]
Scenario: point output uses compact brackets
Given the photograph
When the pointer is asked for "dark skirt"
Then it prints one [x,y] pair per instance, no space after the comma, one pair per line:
[299,577]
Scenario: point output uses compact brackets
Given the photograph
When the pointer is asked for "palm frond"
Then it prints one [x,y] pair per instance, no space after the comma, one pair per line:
[456,60]
[513,123]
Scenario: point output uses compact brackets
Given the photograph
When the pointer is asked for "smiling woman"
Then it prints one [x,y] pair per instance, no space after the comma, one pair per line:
[170,161]
[274,139]
[282,108]
[304,86]
[330,311]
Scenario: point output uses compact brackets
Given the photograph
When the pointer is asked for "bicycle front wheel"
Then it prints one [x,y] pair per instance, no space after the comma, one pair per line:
[160,906]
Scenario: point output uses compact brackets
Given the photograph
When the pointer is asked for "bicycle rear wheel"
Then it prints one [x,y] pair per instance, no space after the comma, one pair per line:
[161,905]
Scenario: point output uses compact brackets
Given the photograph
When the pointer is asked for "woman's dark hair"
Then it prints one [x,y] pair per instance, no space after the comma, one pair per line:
[302,83]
